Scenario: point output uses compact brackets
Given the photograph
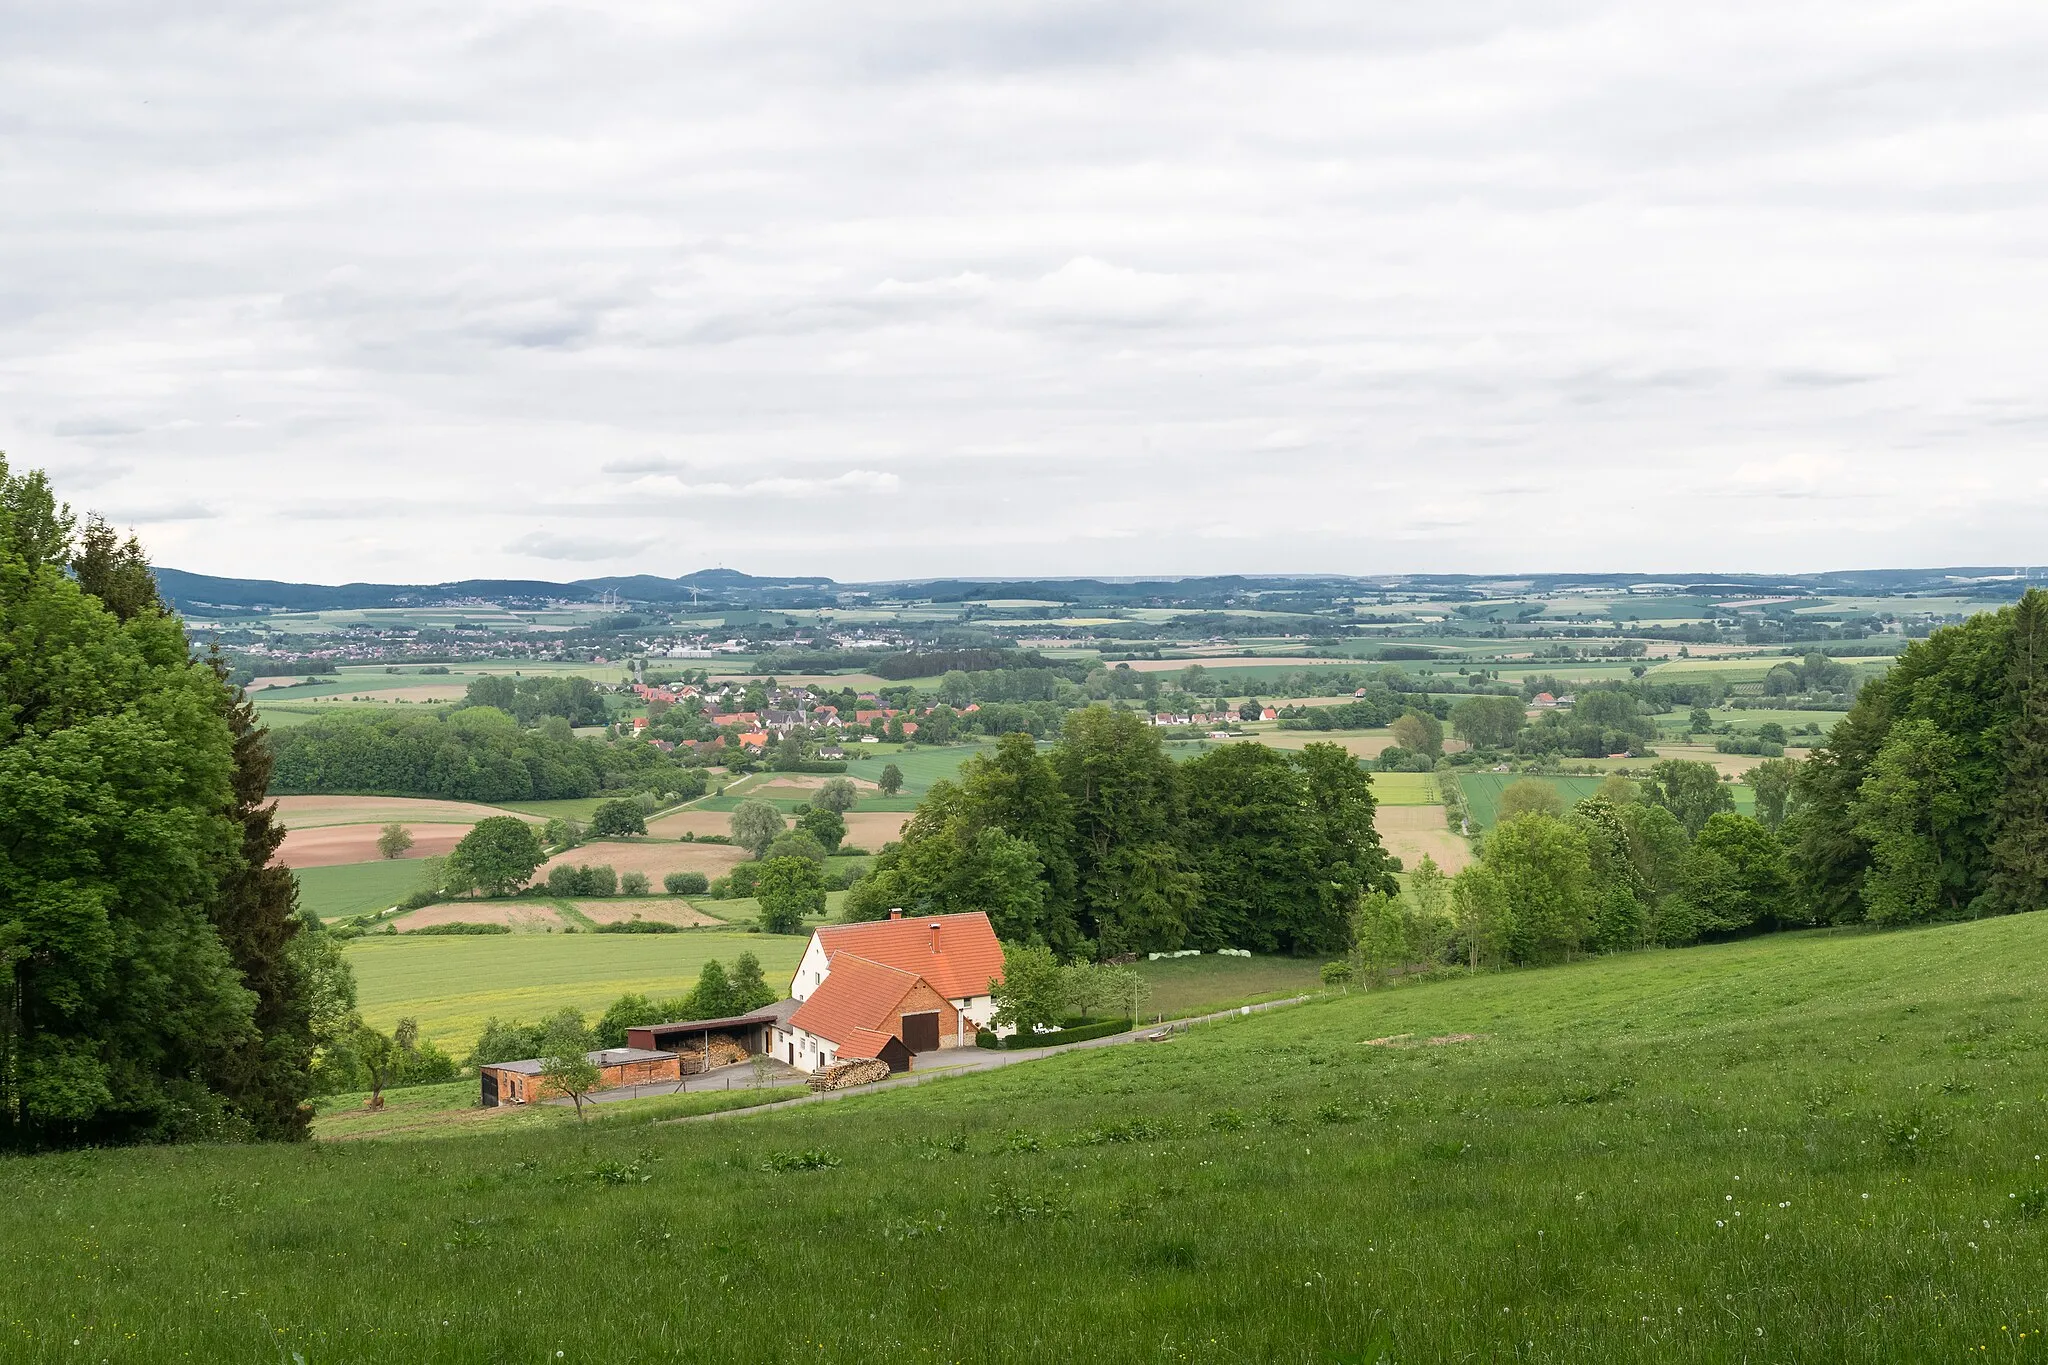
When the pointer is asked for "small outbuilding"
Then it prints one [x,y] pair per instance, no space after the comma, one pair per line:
[689,1036]
[521,1082]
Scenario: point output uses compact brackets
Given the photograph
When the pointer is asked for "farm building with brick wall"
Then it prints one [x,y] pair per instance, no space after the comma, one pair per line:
[889,989]
[521,1082]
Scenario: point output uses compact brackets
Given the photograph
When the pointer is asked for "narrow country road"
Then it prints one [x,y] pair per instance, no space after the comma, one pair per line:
[972,1059]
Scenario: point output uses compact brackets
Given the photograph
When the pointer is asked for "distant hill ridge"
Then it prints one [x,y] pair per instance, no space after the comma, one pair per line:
[199,593]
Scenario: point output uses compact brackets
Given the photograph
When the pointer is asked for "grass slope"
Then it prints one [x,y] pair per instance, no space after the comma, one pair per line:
[452,985]
[1803,1148]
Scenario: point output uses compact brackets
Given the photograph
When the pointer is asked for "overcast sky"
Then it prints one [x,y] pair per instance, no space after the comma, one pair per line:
[418,291]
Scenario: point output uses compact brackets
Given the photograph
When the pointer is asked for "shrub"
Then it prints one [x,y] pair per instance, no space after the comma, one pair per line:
[459,927]
[1080,1034]
[686,883]
[617,818]
[633,884]
[639,926]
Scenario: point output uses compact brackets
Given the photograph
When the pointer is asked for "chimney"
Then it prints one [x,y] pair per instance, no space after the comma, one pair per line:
[935,936]
[895,914]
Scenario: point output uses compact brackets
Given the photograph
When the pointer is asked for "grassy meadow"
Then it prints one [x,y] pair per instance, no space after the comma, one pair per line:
[358,888]
[1807,1147]
[453,984]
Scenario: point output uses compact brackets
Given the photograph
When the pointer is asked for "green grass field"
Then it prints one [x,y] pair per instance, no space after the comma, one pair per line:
[921,767]
[1407,789]
[1186,986]
[453,984]
[1482,792]
[358,888]
[1799,1148]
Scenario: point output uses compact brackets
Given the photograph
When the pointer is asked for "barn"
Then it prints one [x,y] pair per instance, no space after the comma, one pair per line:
[521,1083]
[889,989]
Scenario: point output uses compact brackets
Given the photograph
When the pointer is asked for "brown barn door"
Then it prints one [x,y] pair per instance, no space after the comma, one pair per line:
[921,1032]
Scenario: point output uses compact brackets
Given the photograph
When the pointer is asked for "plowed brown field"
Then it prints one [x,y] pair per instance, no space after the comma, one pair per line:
[661,911]
[530,917]
[328,845]
[657,860]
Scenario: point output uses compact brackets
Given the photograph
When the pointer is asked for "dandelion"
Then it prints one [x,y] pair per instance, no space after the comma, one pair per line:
[1720,1222]
[1866,1196]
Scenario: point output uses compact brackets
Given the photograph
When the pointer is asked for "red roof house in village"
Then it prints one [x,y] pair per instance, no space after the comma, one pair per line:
[889,989]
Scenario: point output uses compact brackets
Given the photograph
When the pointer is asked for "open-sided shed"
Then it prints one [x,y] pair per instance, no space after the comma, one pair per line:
[689,1036]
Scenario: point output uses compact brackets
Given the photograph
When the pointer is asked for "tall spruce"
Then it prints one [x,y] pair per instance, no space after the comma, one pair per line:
[2019,842]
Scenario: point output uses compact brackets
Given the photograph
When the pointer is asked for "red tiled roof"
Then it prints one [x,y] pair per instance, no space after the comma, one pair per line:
[968,955]
[737,718]
[855,996]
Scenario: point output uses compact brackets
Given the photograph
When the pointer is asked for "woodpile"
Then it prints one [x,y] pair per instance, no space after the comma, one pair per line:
[722,1049]
[849,1074]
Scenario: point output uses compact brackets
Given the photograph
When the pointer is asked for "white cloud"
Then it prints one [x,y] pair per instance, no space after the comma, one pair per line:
[582,549]
[1031,288]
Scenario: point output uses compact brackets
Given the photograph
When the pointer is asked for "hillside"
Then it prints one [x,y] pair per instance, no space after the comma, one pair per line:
[1804,1147]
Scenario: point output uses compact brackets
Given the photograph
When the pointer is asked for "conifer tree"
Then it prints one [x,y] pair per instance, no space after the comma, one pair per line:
[2019,842]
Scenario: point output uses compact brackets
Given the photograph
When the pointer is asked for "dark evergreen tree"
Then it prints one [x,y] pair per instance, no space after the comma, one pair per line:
[2019,841]
[255,911]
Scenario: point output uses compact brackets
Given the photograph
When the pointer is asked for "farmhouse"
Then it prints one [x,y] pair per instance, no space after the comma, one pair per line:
[521,1082]
[889,989]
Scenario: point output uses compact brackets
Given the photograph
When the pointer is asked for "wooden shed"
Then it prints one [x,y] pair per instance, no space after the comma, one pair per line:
[521,1083]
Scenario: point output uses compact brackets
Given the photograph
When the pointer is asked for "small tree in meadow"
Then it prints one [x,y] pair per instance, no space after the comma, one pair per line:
[393,840]
[1128,990]
[616,819]
[755,825]
[686,883]
[891,780]
[566,1067]
[789,889]
[633,884]
[1085,989]
[837,796]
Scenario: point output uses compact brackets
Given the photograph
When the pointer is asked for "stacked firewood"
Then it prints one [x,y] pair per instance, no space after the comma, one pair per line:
[846,1075]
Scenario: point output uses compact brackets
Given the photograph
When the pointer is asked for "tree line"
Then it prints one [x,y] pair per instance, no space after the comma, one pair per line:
[1104,845]
[158,981]
[473,753]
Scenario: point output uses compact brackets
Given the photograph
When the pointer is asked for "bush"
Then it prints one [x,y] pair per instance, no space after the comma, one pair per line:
[618,818]
[639,926]
[686,883]
[459,927]
[419,900]
[633,884]
[1080,1034]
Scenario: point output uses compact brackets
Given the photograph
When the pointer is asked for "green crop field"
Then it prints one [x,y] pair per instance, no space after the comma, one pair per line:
[1407,789]
[358,888]
[1795,1148]
[453,984]
[1482,792]
[921,767]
